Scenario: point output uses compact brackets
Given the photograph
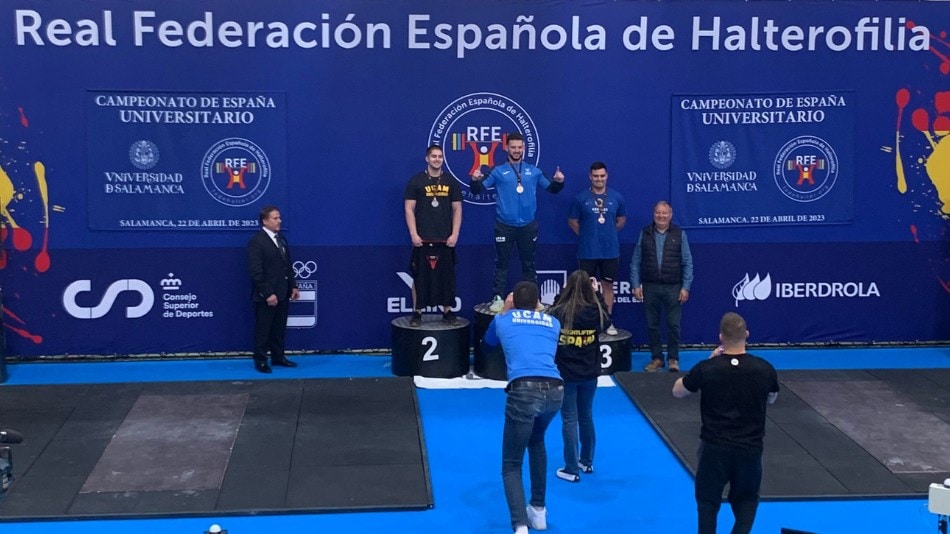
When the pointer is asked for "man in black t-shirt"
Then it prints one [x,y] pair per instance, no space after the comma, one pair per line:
[433,206]
[736,387]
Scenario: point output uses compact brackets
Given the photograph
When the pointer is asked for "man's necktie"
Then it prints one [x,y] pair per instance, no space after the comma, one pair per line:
[282,245]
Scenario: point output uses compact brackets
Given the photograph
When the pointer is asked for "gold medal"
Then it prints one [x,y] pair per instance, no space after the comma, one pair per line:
[520,188]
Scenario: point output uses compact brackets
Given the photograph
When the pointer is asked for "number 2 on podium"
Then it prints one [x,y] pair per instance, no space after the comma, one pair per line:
[430,355]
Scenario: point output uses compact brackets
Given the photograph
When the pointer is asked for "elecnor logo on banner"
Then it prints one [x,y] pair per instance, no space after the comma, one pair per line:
[404,304]
[303,311]
[761,288]
[623,293]
[472,132]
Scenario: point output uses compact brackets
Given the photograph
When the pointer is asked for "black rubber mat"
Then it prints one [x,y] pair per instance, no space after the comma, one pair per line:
[212,448]
[831,434]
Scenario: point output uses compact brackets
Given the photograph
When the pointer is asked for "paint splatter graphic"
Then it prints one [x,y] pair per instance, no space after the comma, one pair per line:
[24,212]
[922,169]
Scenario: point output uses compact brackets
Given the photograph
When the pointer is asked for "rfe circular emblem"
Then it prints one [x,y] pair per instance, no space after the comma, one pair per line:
[235,171]
[473,132]
[806,168]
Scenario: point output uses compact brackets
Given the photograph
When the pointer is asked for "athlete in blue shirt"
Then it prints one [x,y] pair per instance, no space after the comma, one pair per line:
[596,215]
[516,183]
[535,391]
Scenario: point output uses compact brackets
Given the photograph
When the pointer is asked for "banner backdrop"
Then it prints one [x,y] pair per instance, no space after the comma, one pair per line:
[765,159]
[142,146]
[139,140]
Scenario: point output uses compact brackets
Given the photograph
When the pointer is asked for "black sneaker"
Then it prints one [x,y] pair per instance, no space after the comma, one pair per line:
[416,319]
[450,319]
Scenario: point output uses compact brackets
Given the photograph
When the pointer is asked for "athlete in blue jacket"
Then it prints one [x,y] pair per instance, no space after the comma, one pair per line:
[516,183]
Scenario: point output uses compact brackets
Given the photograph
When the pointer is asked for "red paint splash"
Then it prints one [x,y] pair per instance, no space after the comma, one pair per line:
[920,119]
[23,333]
[902,98]
[42,262]
[22,240]
[23,120]
[15,317]
[939,38]
[913,232]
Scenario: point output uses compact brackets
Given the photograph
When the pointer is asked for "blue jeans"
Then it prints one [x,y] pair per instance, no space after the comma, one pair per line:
[577,413]
[506,238]
[530,408]
[742,469]
[657,298]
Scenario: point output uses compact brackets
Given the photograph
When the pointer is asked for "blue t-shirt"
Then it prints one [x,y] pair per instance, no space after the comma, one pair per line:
[598,241]
[511,207]
[529,339]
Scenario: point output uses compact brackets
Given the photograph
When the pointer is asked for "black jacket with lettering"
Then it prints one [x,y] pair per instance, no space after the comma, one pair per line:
[578,350]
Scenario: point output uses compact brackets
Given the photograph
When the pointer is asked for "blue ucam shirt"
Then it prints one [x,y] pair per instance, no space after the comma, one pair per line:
[511,207]
[529,339]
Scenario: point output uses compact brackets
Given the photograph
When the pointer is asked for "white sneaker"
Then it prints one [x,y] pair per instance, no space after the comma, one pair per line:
[497,304]
[521,529]
[537,518]
[570,477]
[611,330]
[585,468]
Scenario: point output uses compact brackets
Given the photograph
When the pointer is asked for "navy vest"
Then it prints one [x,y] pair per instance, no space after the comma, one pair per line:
[671,272]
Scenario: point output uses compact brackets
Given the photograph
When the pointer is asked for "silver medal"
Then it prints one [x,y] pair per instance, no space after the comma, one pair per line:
[601,219]
[435,202]
[520,188]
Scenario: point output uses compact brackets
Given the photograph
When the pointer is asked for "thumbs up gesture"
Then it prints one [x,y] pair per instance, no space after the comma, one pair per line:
[558,175]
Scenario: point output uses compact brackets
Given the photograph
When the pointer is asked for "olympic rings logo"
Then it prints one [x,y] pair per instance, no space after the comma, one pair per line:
[304,269]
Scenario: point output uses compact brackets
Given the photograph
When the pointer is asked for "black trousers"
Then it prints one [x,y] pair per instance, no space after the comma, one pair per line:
[270,324]
[742,469]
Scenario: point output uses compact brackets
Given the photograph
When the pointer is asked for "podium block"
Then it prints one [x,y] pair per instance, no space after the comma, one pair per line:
[489,361]
[433,349]
[615,352]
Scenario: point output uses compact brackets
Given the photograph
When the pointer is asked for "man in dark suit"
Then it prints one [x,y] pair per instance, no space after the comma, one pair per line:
[274,286]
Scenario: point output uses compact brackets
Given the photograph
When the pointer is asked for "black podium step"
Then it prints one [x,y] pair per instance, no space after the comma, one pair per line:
[433,349]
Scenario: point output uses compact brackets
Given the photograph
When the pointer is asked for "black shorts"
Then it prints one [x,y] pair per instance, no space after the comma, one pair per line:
[601,269]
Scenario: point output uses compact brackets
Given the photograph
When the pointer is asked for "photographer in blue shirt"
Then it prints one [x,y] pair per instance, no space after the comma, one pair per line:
[529,338]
